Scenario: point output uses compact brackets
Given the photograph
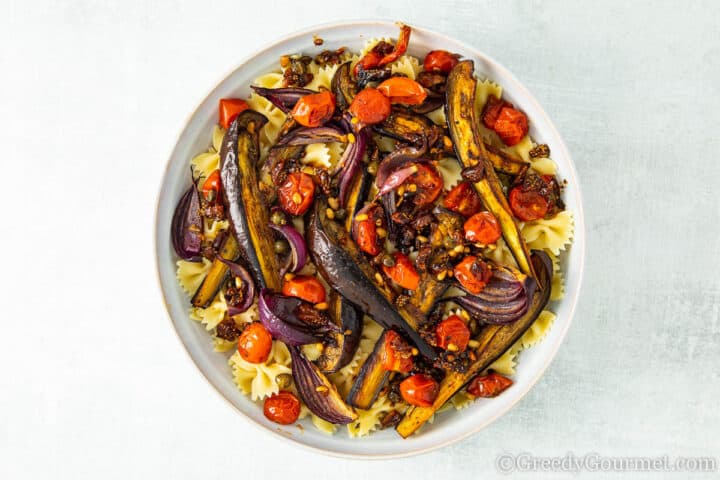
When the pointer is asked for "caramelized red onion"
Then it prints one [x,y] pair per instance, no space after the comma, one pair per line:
[283,98]
[308,136]
[187,226]
[397,160]
[278,315]
[318,393]
[298,250]
[351,161]
[248,285]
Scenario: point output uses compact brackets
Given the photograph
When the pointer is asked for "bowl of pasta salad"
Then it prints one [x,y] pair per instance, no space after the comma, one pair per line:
[370,239]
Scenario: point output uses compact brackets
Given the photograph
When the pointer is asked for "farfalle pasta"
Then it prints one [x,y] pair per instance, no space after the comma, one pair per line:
[356,234]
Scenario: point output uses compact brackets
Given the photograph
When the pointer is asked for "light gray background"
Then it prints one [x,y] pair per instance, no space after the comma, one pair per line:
[94,383]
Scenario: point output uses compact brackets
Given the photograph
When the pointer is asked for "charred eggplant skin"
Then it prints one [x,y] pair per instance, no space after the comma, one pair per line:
[248,216]
[345,268]
[494,340]
[371,378]
[358,191]
[218,272]
[343,86]
[470,150]
[338,352]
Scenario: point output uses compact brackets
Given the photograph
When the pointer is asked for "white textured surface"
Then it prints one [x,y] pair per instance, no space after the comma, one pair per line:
[93,382]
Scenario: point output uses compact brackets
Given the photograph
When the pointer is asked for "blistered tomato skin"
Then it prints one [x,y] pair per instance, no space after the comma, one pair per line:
[419,390]
[229,109]
[403,90]
[305,287]
[452,334]
[315,109]
[440,61]
[527,206]
[473,274]
[482,228]
[282,407]
[397,353]
[296,193]
[488,386]
[462,199]
[370,106]
[255,343]
[403,272]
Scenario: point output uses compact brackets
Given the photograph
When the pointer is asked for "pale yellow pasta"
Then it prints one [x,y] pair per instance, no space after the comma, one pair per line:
[248,316]
[450,170]
[317,155]
[222,345]
[385,144]
[554,234]
[218,134]
[557,290]
[323,425]
[544,166]
[336,150]
[406,65]
[521,149]
[461,400]
[369,420]
[258,379]
[191,274]
[483,90]
[205,163]
[506,363]
[437,116]
[322,77]
[500,253]
[538,329]
[214,227]
[213,314]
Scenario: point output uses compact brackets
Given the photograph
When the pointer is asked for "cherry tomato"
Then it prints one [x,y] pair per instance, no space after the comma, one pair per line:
[527,206]
[463,199]
[403,272]
[315,109]
[472,273]
[212,188]
[229,109]
[419,390]
[511,126]
[482,228]
[452,331]
[403,90]
[296,194]
[490,385]
[255,343]
[427,184]
[282,407]
[440,61]
[364,230]
[306,287]
[491,111]
[370,106]
[397,353]
[368,62]
[400,47]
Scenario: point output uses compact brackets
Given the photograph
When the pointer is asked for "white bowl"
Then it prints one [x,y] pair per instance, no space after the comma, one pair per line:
[449,427]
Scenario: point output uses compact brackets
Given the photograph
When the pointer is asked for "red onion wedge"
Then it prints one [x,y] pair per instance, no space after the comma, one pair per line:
[248,286]
[283,98]
[187,226]
[398,159]
[318,393]
[298,250]
[351,161]
[308,136]
[278,315]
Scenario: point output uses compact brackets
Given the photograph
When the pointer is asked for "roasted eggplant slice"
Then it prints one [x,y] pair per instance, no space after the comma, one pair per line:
[248,216]
[409,127]
[370,379]
[318,393]
[346,269]
[372,376]
[343,86]
[229,250]
[470,150]
[341,347]
[356,193]
[494,341]
[504,162]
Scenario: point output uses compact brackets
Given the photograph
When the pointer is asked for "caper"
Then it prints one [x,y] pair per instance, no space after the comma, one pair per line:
[281,246]
[284,380]
[278,218]
[341,214]
[388,260]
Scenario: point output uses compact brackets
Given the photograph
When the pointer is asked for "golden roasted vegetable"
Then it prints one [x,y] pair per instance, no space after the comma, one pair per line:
[217,273]
[505,162]
[470,150]
[494,341]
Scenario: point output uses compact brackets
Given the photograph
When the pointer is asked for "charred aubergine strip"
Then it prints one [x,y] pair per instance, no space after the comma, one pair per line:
[494,340]
[230,251]
[343,344]
[462,122]
[249,218]
[346,269]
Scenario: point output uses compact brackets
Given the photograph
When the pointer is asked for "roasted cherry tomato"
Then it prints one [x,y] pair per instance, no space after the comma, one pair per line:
[255,343]
[296,194]
[527,206]
[315,109]
[364,229]
[426,183]
[452,334]
[374,59]
[440,61]
[403,272]
[370,106]
[229,109]
[403,90]
[491,111]
[368,62]
[282,407]
[212,188]
[419,390]
[490,385]
[511,126]
[482,228]
[463,199]
[306,287]
[473,274]
[397,353]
